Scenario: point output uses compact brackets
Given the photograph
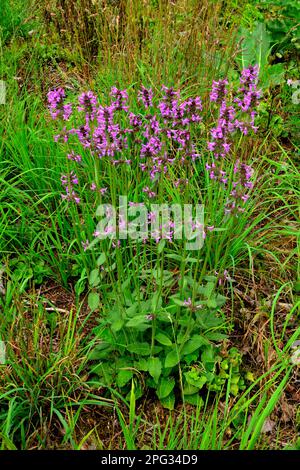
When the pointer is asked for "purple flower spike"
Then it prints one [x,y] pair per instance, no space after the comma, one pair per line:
[145,95]
[56,104]
[219,91]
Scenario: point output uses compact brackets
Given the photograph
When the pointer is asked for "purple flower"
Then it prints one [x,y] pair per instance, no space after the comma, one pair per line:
[121,98]
[56,104]
[67,182]
[219,91]
[85,245]
[75,158]
[135,121]
[150,194]
[188,302]
[146,96]
[88,104]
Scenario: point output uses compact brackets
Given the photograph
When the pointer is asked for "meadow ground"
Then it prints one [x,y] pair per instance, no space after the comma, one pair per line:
[149,344]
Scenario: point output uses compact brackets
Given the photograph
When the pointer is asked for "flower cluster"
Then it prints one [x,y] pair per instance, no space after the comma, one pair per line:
[56,104]
[241,185]
[219,91]
[161,134]
[145,95]
[248,96]
[235,114]
[162,137]
[88,104]
[68,182]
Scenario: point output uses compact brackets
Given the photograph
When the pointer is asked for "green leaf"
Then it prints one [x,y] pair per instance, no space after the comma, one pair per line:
[104,371]
[297,287]
[234,389]
[208,289]
[94,278]
[168,402]
[212,303]
[157,349]
[193,344]
[208,320]
[195,400]
[177,301]
[165,387]
[163,339]
[161,246]
[101,351]
[215,336]
[193,378]
[142,365]
[143,349]
[117,324]
[137,321]
[211,278]
[255,46]
[154,368]
[190,358]
[172,358]
[93,301]
[131,311]
[165,315]
[220,300]
[190,389]
[123,377]
[272,75]
[101,259]
[208,357]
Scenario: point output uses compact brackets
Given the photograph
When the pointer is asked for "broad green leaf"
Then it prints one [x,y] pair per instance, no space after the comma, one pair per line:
[210,278]
[168,402]
[161,246]
[195,400]
[172,358]
[208,289]
[165,387]
[163,339]
[215,336]
[208,319]
[190,389]
[193,344]
[156,301]
[117,324]
[142,365]
[177,301]
[94,279]
[212,303]
[143,349]
[155,367]
[165,315]
[101,351]
[123,377]
[131,311]
[208,354]
[93,301]
[137,320]
[190,358]
[255,46]
[105,371]
[101,259]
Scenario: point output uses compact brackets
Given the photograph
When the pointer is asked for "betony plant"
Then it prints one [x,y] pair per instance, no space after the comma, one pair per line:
[165,326]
